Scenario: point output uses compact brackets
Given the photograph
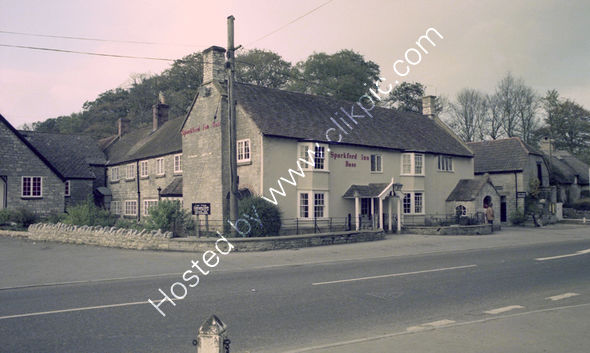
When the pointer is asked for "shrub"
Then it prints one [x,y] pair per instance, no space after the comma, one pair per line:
[585,194]
[169,216]
[517,217]
[55,217]
[582,204]
[255,207]
[24,217]
[87,213]
[5,216]
[129,224]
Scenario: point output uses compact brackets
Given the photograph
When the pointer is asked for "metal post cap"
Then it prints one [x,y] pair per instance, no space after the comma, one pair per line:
[212,326]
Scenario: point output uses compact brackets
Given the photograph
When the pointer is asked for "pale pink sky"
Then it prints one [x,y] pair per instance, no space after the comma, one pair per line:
[544,42]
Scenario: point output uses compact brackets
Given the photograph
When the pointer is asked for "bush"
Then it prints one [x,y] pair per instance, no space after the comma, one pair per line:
[169,216]
[129,224]
[55,217]
[256,210]
[582,204]
[585,194]
[5,216]
[24,217]
[518,217]
[89,214]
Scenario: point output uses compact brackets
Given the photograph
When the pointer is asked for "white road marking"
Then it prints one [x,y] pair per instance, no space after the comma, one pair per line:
[73,309]
[394,275]
[562,296]
[577,253]
[439,323]
[457,324]
[503,309]
[415,328]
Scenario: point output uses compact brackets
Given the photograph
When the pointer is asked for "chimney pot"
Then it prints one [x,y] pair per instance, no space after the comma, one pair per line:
[213,64]
[159,115]
[123,126]
[428,106]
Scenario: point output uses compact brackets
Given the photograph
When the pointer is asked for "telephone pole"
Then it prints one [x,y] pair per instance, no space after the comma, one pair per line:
[231,111]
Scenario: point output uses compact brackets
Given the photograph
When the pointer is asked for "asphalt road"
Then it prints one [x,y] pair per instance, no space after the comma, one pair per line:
[295,307]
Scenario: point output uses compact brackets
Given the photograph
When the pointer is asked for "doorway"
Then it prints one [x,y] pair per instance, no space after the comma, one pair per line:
[503,216]
[2,192]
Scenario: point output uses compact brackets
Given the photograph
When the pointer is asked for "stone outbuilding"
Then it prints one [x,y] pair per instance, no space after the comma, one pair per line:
[471,198]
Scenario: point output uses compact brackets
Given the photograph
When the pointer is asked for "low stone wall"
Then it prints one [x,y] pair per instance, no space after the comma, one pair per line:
[156,240]
[480,229]
[573,213]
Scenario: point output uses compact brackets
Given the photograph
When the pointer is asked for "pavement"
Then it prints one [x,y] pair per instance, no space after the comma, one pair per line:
[523,289]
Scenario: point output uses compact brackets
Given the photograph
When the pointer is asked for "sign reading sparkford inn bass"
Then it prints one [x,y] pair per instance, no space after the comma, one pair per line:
[348,157]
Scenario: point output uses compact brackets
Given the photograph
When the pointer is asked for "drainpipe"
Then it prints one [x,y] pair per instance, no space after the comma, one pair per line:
[516,190]
[138,190]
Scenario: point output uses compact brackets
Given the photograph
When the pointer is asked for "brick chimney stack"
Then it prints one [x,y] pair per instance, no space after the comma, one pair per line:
[123,126]
[428,106]
[213,64]
[546,145]
[159,113]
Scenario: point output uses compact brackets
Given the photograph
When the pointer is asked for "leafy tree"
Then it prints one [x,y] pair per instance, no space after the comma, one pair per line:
[343,75]
[262,68]
[256,208]
[169,216]
[406,97]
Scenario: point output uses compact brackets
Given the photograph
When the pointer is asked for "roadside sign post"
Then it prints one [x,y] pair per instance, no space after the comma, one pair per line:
[201,208]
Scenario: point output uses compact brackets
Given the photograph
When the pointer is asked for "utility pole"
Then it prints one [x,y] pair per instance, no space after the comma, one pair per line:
[231,111]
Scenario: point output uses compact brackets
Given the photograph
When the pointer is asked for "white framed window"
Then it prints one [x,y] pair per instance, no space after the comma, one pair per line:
[32,186]
[445,163]
[114,174]
[131,208]
[243,150]
[144,169]
[67,188]
[413,202]
[460,210]
[412,164]
[303,205]
[130,171]
[319,205]
[147,204]
[160,166]
[116,207]
[178,163]
[376,166]
[318,156]
[313,204]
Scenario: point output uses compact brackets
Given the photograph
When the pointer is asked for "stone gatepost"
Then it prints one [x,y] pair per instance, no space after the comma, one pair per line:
[212,336]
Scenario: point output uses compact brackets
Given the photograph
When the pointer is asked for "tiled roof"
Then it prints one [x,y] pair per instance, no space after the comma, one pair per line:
[142,143]
[371,190]
[72,155]
[580,168]
[559,172]
[505,155]
[467,189]
[174,188]
[31,147]
[304,116]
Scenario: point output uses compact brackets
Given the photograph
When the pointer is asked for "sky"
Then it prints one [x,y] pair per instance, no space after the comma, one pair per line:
[543,42]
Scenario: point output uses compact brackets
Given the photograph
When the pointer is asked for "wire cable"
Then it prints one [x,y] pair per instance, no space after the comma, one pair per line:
[289,23]
[99,39]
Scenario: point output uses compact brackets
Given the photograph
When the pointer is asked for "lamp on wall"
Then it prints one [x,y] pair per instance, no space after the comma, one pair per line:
[159,191]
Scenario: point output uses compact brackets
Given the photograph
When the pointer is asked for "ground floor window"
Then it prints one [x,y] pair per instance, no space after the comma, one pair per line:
[320,204]
[32,187]
[460,210]
[131,208]
[413,203]
[116,207]
[147,204]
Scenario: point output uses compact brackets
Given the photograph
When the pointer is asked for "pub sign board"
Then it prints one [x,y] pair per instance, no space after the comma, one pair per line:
[202,208]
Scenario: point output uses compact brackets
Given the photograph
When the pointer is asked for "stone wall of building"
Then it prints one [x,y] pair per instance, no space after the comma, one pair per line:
[80,189]
[16,161]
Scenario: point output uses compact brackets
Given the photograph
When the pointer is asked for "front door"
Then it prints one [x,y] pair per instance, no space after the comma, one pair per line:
[503,217]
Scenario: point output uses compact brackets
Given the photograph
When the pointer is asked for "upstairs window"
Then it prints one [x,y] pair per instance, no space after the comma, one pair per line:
[115,174]
[130,171]
[376,163]
[318,156]
[143,169]
[412,164]
[160,166]
[178,163]
[243,150]
[445,163]
[67,188]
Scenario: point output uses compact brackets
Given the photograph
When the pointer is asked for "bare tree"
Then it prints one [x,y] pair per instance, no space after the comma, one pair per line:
[527,105]
[506,93]
[468,114]
[493,125]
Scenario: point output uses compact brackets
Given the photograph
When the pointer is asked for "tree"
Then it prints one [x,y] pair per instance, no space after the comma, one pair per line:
[493,124]
[468,114]
[526,107]
[505,97]
[406,97]
[262,68]
[343,75]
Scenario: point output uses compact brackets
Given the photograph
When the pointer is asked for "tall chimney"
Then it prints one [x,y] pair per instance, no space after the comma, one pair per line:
[159,113]
[546,145]
[123,126]
[428,106]
[213,64]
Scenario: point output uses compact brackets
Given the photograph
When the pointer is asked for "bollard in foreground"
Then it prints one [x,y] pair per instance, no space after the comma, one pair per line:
[212,336]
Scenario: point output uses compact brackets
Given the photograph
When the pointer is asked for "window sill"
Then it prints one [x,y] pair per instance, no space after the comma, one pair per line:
[115,181]
[144,177]
[160,175]
[412,175]
[178,173]
[248,162]
[130,179]
[445,171]
[31,197]
[376,172]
